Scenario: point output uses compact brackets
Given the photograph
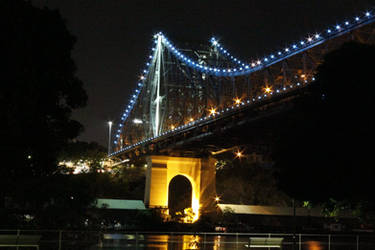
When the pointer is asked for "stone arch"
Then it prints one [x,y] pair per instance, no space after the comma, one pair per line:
[162,169]
[180,194]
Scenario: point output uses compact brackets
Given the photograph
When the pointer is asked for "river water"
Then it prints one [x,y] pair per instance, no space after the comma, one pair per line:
[236,241]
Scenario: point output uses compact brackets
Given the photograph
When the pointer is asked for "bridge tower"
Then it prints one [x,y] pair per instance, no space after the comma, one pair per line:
[200,172]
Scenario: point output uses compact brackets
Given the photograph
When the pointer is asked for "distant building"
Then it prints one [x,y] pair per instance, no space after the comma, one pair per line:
[83,166]
[278,211]
[120,214]
[120,204]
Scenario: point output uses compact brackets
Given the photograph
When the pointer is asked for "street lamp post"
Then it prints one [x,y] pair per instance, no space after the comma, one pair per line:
[109,136]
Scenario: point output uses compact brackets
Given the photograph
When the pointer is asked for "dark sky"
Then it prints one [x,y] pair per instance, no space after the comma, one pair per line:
[114,37]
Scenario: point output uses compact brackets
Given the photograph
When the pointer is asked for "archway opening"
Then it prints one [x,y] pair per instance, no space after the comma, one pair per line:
[179,195]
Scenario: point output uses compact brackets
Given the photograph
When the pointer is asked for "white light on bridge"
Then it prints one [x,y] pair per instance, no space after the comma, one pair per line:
[137,121]
[160,38]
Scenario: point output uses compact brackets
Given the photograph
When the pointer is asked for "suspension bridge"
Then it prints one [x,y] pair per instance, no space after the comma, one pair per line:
[191,103]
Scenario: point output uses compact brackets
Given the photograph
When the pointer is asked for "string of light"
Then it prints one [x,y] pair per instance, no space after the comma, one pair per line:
[217,113]
[136,92]
[242,68]
[255,65]
[297,47]
[224,52]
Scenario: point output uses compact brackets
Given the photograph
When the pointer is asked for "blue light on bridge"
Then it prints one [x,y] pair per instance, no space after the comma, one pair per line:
[243,68]
[311,40]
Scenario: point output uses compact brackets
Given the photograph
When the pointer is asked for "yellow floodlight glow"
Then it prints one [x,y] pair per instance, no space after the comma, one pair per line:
[195,208]
[267,89]
[237,100]
[212,111]
[238,154]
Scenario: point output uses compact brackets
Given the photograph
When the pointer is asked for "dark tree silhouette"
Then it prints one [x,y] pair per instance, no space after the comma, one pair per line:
[324,146]
[39,91]
[244,181]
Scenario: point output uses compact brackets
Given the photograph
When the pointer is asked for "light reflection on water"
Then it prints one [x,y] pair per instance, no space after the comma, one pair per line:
[167,242]
[313,245]
[190,242]
[216,242]
[175,242]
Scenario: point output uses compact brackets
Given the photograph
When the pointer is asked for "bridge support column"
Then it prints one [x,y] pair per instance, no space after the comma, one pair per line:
[208,185]
[199,171]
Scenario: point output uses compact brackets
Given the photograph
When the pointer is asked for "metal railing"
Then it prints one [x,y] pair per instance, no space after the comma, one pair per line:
[62,239]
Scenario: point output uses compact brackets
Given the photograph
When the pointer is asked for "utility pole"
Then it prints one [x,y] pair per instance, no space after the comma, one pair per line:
[109,136]
[294,224]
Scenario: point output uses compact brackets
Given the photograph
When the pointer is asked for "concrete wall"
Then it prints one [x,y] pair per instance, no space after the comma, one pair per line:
[162,169]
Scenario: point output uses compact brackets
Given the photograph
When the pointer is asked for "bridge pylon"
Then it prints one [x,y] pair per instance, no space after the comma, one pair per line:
[200,172]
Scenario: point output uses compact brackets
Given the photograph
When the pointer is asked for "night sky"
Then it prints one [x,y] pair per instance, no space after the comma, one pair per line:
[114,38]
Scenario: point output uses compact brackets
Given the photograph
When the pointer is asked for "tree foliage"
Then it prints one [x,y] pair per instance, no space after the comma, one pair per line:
[38,92]
[90,153]
[243,181]
[324,146]
[39,89]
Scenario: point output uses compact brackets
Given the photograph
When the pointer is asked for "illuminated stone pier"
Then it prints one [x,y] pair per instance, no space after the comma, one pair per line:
[199,171]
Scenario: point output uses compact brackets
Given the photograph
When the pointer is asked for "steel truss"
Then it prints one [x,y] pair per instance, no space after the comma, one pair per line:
[187,94]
